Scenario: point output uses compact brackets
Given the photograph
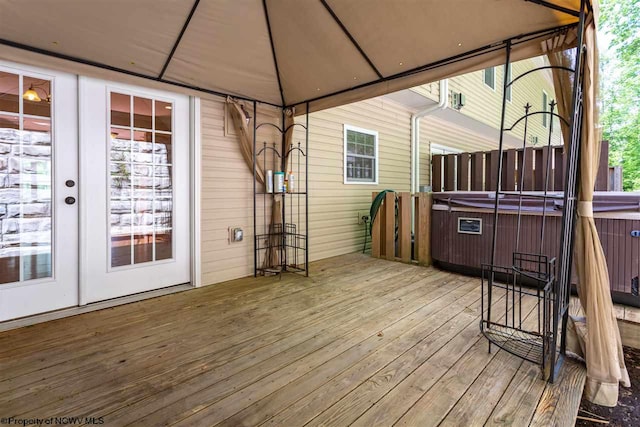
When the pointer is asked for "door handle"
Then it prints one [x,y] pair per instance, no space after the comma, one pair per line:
[70,200]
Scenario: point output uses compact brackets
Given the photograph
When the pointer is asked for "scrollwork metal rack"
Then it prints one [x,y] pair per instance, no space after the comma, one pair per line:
[525,304]
[281,244]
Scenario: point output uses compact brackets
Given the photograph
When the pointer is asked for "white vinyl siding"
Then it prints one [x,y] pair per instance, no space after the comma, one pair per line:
[227,190]
[360,155]
[485,107]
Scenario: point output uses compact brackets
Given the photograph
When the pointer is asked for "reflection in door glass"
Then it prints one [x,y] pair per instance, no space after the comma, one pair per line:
[141,216]
[25,178]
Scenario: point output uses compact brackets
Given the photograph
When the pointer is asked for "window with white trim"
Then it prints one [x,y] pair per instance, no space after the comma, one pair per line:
[490,77]
[360,155]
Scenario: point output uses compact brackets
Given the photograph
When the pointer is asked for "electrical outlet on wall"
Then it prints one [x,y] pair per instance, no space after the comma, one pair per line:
[236,234]
[362,215]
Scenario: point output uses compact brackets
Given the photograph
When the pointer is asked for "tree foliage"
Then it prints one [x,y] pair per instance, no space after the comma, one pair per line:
[620,115]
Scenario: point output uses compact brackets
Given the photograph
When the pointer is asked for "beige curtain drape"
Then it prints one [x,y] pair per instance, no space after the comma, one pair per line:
[245,136]
[289,120]
[558,54]
[596,335]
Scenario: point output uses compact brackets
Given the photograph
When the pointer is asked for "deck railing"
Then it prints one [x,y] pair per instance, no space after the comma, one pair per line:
[395,217]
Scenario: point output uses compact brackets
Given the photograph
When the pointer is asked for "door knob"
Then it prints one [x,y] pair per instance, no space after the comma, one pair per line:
[70,200]
[70,183]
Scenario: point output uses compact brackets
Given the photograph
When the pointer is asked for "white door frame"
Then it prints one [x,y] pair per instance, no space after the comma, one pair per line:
[195,175]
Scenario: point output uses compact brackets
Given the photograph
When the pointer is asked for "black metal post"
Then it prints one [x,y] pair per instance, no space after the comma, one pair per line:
[569,215]
[255,231]
[283,162]
[552,106]
[306,196]
[505,83]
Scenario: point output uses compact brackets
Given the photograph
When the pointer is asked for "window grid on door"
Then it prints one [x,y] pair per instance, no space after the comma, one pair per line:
[26,212]
[141,183]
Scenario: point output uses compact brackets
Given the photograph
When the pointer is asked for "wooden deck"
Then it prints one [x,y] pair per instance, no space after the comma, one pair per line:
[362,342]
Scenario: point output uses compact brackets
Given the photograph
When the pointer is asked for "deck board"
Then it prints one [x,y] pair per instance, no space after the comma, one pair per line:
[362,341]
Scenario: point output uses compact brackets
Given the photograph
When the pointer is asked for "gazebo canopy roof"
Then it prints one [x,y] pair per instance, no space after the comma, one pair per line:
[286,52]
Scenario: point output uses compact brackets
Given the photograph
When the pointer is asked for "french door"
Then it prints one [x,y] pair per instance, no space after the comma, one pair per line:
[38,191]
[134,166]
[94,190]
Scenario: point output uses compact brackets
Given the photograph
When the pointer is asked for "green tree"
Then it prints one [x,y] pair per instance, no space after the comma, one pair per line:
[620,115]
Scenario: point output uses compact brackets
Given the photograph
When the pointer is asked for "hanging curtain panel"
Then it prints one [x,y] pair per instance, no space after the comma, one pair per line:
[596,336]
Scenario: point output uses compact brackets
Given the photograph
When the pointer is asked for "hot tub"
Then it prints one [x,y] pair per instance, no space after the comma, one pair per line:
[462,229]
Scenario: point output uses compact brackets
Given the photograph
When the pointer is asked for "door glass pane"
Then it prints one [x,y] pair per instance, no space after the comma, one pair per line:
[39,105]
[163,149]
[143,113]
[120,109]
[9,92]
[163,116]
[141,183]
[163,212]
[143,212]
[143,146]
[25,178]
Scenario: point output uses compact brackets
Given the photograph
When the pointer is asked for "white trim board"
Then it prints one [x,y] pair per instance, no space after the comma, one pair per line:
[195,187]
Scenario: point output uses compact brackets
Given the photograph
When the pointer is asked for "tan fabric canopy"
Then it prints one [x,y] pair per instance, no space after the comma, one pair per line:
[283,52]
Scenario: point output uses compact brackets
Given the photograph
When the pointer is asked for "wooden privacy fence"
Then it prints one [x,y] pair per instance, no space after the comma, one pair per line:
[479,171]
[390,222]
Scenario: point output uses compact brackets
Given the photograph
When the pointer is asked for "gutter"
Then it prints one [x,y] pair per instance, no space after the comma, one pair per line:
[415,133]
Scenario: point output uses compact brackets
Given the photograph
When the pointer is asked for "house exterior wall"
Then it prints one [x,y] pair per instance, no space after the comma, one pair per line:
[334,205]
[484,104]
[226,200]
[227,190]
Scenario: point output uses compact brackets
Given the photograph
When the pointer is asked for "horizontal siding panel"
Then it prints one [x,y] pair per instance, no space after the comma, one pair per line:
[333,226]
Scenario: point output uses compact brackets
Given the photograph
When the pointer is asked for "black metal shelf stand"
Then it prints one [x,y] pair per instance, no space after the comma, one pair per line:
[281,239]
[525,304]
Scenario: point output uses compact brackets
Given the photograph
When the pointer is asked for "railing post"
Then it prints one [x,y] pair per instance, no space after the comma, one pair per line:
[404,226]
[528,170]
[436,173]
[492,159]
[602,178]
[389,225]
[375,232]
[449,172]
[558,170]
[423,228]
[509,170]
[463,171]
[477,166]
